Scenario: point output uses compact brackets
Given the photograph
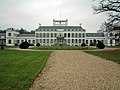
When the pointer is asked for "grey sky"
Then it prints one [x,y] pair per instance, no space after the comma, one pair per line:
[29,13]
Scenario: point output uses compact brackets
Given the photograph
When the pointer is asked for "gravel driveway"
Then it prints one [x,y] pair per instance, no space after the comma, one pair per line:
[76,70]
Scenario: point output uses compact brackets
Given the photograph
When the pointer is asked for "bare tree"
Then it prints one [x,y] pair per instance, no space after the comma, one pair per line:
[112,8]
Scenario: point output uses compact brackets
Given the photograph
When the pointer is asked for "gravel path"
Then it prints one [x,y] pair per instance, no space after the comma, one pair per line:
[76,70]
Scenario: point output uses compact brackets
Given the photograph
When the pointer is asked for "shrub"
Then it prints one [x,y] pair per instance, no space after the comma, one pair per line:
[83,44]
[24,45]
[100,45]
[38,44]
[2,47]
[16,44]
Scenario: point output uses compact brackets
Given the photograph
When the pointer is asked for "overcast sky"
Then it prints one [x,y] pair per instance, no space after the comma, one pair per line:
[29,13]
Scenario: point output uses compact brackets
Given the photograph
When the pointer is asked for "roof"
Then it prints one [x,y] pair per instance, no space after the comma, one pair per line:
[61,27]
[94,34]
[26,35]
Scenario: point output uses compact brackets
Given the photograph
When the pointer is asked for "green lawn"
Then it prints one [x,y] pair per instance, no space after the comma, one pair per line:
[110,55]
[19,68]
[113,46]
[62,48]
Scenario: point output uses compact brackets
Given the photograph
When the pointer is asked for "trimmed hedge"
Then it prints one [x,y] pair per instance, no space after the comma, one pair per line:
[24,45]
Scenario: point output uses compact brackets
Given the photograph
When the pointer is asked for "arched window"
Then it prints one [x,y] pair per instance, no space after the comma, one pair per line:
[9,41]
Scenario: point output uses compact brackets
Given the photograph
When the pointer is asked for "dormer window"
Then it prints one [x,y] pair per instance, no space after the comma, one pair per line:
[9,34]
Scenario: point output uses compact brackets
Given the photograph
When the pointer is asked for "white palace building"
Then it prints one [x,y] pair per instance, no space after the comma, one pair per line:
[58,34]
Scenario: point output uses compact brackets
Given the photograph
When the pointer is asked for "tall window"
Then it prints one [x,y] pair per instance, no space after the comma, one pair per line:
[51,34]
[75,40]
[79,40]
[36,34]
[79,34]
[9,34]
[18,42]
[72,34]
[9,41]
[68,34]
[72,40]
[86,41]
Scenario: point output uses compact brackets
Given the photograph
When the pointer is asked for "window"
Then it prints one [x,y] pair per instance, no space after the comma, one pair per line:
[51,40]
[18,42]
[36,34]
[64,34]
[75,40]
[90,41]
[72,40]
[79,34]
[68,40]
[29,41]
[86,41]
[47,40]
[68,34]
[22,40]
[40,40]
[36,40]
[9,41]
[83,35]
[75,34]
[51,34]
[83,40]
[40,34]
[33,41]
[79,40]
[9,34]
[55,34]
[72,34]
[43,40]
[47,34]
[43,34]
[111,42]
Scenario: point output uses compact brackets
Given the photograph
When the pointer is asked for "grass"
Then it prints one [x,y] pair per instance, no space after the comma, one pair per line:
[62,48]
[19,68]
[109,55]
[113,46]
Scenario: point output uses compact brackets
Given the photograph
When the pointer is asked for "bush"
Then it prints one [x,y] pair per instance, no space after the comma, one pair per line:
[100,45]
[83,44]
[38,44]
[16,44]
[24,45]
[2,47]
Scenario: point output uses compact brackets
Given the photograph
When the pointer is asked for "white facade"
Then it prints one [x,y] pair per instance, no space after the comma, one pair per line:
[58,34]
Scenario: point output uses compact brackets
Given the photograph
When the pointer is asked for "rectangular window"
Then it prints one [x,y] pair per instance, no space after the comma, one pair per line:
[86,41]
[51,34]
[75,40]
[79,34]
[72,40]
[47,34]
[83,35]
[9,34]
[36,34]
[68,40]
[72,34]
[40,34]
[75,34]
[51,40]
